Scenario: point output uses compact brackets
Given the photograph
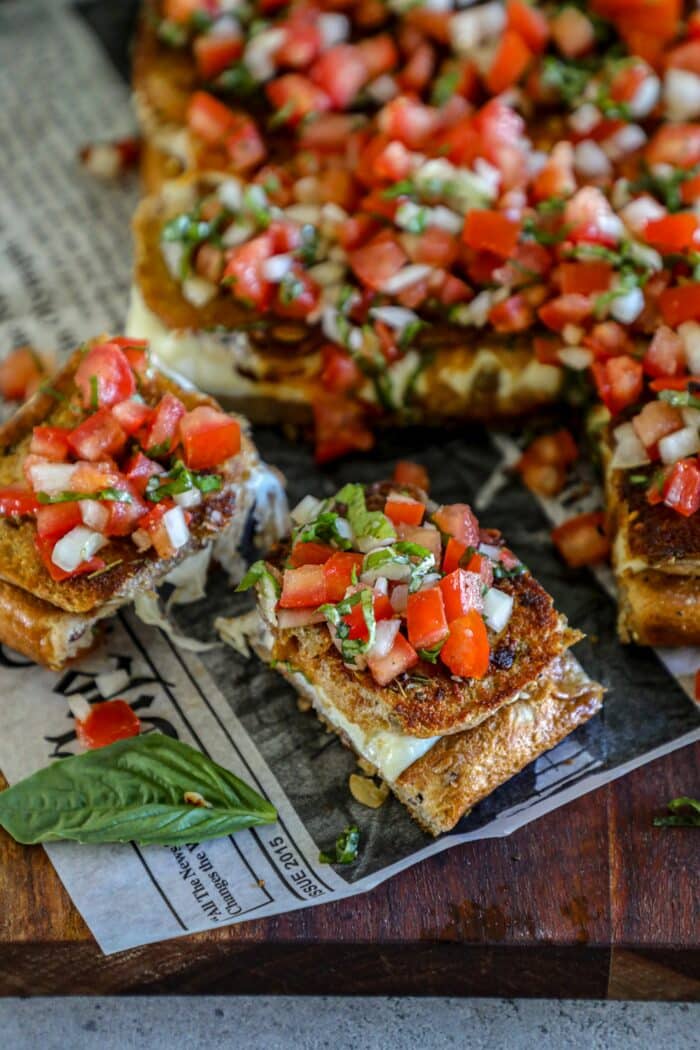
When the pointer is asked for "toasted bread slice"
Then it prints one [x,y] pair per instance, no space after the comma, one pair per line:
[272,366]
[656,560]
[50,620]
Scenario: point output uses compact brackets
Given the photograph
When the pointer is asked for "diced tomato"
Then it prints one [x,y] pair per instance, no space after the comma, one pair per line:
[547,349]
[182,11]
[208,118]
[453,290]
[243,271]
[408,511]
[162,435]
[572,32]
[301,44]
[409,121]
[486,230]
[209,437]
[124,516]
[339,428]
[556,178]
[93,477]
[434,246]
[244,145]
[56,519]
[401,658]
[339,571]
[104,376]
[619,381]
[418,71]
[557,447]
[608,339]
[106,723]
[530,23]
[539,476]
[377,261]
[20,372]
[379,54]
[466,651]
[139,469]
[16,502]
[355,619]
[304,587]
[132,415]
[681,490]
[513,314]
[673,233]
[665,354]
[425,618]
[213,53]
[585,278]
[675,144]
[674,383]
[297,97]
[481,565]
[51,443]
[690,190]
[655,421]
[340,372]
[45,546]
[582,540]
[454,552]
[510,61]
[297,295]
[680,304]
[137,354]
[310,553]
[685,56]
[99,436]
[590,218]
[564,310]
[408,473]
[340,72]
[461,591]
[424,536]
[459,521]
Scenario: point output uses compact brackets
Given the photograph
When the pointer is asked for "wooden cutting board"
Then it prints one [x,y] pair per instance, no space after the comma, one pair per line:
[591,901]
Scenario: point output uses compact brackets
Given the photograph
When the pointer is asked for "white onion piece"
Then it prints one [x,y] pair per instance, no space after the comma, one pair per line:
[334,28]
[51,477]
[80,708]
[429,580]
[365,544]
[469,28]
[306,510]
[277,267]
[95,515]
[110,683]
[381,585]
[390,570]
[385,637]
[190,498]
[640,211]
[399,598]
[681,443]
[198,291]
[383,89]
[627,308]
[682,94]
[405,277]
[395,316]
[575,357]
[77,546]
[259,51]
[645,97]
[173,253]
[491,552]
[498,607]
[290,618]
[237,233]
[691,417]
[590,160]
[689,332]
[629,450]
[176,527]
[230,193]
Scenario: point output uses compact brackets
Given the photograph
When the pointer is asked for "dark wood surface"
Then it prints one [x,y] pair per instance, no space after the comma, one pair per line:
[591,901]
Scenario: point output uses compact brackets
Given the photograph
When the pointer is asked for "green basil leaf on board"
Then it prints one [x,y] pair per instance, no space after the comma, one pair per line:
[149,789]
[345,849]
[683,813]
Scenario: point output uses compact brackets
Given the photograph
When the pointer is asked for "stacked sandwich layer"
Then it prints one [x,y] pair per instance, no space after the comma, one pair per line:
[409,212]
[422,641]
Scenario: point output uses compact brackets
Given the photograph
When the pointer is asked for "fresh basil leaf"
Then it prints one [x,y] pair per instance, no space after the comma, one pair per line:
[501,573]
[178,480]
[431,655]
[684,813]
[680,398]
[352,647]
[345,849]
[46,388]
[135,790]
[364,522]
[257,572]
[324,529]
[109,495]
[94,393]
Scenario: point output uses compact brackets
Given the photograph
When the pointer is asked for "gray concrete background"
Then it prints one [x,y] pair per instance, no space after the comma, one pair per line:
[276,1023]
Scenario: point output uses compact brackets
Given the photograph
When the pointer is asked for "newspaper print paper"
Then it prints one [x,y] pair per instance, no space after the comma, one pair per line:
[64,275]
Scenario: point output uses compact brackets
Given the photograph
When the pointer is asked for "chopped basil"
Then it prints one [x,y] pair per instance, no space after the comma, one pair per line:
[109,495]
[179,479]
[291,288]
[364,522]
[282,115]
[94,393]
[105,569]
[501,573]
[665,187]
[255,202]
[410,331]
[172,33]
[352,647]
[567,77]
[401,554]
[46,388]
[191,232]
[308,249]
[637,479]
[345,849]
[259,571]
[161,449]
[680,398]
[445,87]
[402,188]
[684,812]
[324,529]
[238,80]
[431,655]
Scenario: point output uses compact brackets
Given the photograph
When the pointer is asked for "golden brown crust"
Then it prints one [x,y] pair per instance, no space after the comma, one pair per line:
[39,630]
[163,77]
[461,770]
[535,635]
[658,608]
[156,166]
[20,563]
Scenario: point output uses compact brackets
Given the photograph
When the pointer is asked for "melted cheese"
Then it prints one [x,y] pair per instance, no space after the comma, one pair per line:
[535,377]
